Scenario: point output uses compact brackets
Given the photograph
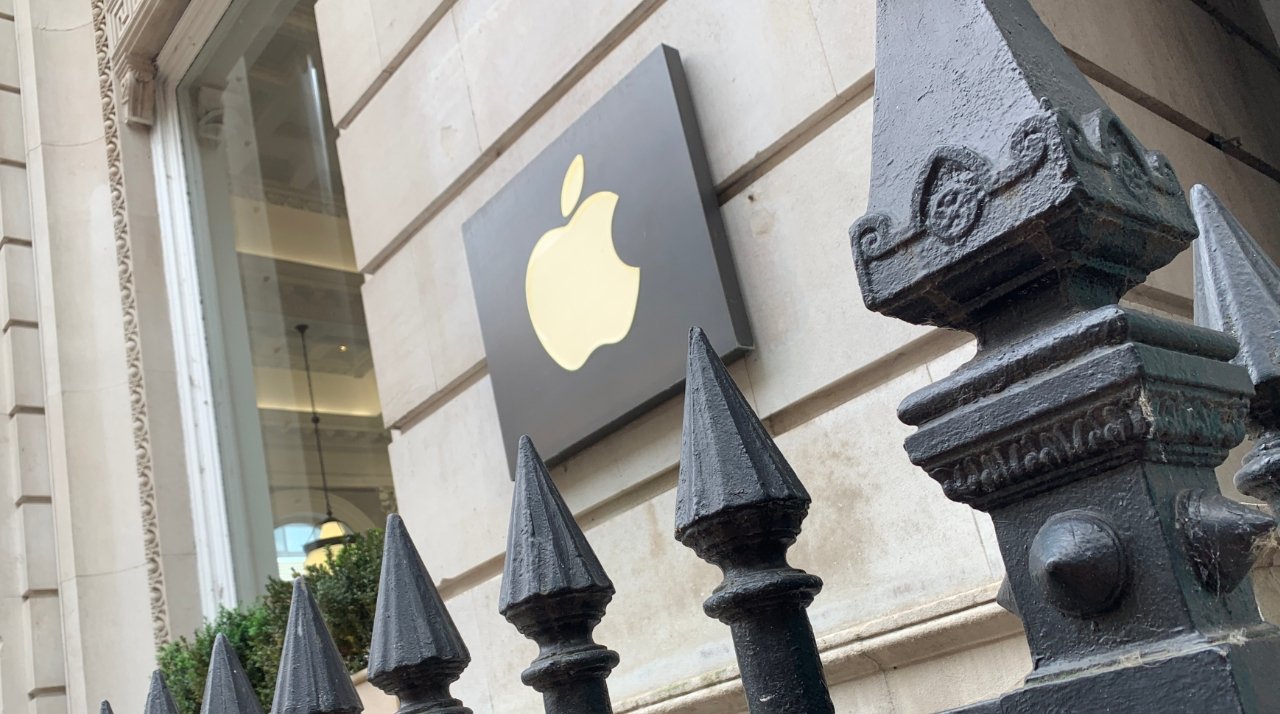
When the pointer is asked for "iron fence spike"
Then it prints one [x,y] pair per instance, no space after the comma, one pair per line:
[727,458]
[105,708]
[555,591]
[1238,292]
[312,678]
[416,652]
[226,688]
[739,505]
[159,700]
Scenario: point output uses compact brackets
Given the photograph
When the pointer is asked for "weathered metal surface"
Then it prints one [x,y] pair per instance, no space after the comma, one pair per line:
[1008,201]
[1238,292]
[416,652]
[312,678]
[739,506]
[226,688]
[105,708]
[159,700]
[555,591]
[1220,537]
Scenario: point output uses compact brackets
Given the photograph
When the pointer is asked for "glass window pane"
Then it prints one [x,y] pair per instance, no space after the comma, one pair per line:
[300,423]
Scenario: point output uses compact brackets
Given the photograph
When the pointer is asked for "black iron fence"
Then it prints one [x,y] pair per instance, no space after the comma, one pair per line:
[1009,202]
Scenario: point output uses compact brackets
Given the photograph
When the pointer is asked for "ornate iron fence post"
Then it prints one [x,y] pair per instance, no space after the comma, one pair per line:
[159,700]
[1238,292]
[105,708]
[416,652]
[1008,201]
[739,506]
[312,678]
[226,688]
[554,591]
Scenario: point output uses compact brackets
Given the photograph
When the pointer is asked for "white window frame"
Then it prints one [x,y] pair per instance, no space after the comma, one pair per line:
[215,556]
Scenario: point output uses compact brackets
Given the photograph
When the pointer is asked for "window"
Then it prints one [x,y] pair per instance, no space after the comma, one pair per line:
[299,422]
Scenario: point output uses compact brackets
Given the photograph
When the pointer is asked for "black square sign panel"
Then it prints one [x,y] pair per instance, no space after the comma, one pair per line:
[591,265]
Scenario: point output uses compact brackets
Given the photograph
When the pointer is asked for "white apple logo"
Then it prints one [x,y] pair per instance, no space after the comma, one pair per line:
[580,294]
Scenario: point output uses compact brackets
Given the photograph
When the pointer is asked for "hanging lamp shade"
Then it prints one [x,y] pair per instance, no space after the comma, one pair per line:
[332,535]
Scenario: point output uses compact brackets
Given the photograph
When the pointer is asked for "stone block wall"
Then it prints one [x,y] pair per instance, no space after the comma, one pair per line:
[440,103]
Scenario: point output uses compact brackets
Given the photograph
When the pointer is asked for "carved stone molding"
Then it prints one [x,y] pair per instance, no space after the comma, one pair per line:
[135,76]
[102,23]
[134,31]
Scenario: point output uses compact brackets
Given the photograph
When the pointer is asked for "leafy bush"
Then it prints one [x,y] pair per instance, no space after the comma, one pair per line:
[347,593]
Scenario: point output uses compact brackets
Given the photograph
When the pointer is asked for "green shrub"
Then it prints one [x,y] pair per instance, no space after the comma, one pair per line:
[347,593]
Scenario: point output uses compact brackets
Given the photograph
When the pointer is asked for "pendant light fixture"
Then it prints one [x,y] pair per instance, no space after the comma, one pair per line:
[332,533]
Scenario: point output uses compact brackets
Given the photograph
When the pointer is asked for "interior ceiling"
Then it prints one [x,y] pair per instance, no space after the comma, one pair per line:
[290,169]
[279,294]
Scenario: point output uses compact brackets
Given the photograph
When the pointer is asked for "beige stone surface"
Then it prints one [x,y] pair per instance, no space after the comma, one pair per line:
[452,482]
[64,73]
[24,385]
[8,56]
[18,293]
[349,50]
[42,619]
[1177,53]
[29,454]
[422,320]
[398,23]
[410,142]
[848,32]
[958,679]
[12,144]
[789,235]
[38,559]
[15,212]
[507,83]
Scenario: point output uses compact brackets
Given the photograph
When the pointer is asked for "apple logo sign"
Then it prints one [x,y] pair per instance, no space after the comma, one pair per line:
[581,296]
[576,342]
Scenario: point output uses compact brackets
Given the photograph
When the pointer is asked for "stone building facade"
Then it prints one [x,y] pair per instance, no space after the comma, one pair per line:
[145,145]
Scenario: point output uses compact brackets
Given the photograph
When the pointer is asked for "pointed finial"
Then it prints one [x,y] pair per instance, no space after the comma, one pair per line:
[1238,292]
[996,168]
[1220,537]
[416,651]
[547,553]
[739,506]
[727,459]
[105,708]
[159,700]
[227,689]
[312,678]
[555,591]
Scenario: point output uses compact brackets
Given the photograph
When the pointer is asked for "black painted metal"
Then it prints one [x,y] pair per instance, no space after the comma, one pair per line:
[1008,201]
[555,592]
[312,678]
[226,688]
[159,700]
[1220,536]
[1238,292]
[416,652]
[105,708]
[739,506]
